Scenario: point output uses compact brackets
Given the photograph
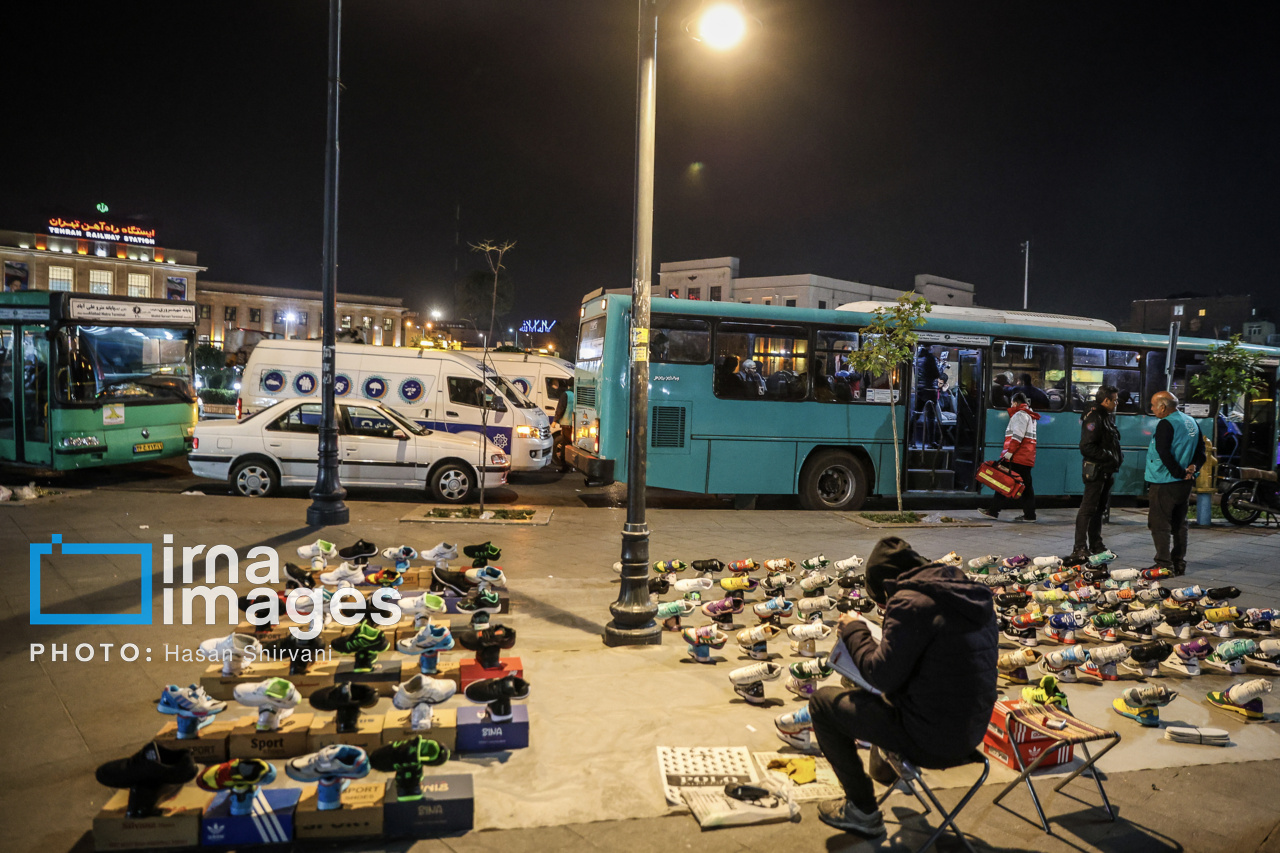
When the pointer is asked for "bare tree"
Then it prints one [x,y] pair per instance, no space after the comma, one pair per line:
[493,255]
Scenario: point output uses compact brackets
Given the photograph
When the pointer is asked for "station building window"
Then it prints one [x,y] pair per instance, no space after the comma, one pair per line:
[61,278]
[139,285]
[100,282]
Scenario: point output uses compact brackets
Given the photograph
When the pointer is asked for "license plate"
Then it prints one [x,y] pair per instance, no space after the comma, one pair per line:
[149,446]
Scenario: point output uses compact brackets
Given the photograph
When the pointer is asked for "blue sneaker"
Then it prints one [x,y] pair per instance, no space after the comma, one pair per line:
[189,701]
[432,638]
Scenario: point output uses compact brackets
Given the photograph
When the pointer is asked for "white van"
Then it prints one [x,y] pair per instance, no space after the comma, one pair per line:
[437,389]
[541,378]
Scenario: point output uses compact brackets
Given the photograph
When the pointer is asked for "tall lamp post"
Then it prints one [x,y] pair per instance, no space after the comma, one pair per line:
[327,506]
[720,25]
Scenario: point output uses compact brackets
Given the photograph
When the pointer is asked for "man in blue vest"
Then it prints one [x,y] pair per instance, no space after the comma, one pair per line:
[1173,458]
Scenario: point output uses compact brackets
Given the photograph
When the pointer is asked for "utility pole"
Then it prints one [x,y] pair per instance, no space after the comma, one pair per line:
[1026,272]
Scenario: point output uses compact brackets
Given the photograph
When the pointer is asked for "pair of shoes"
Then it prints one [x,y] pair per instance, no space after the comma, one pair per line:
[989,513]
[1028,520]
[843,814]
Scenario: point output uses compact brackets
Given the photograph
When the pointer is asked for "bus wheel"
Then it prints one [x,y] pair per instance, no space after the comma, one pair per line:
[254,478]
[452,481]
[833,479]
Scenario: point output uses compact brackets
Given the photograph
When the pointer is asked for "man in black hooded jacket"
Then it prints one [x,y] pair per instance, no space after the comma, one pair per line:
[935,666]
[1100,447]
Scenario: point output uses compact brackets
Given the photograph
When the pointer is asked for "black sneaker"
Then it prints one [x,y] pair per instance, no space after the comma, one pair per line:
[1026,519]
[497,690]
[359,550]
[844,815]
[498,636]
[344,696]
[989,513]
[153,766]
[416,751]
[484,550]
[659,585]
[448,579]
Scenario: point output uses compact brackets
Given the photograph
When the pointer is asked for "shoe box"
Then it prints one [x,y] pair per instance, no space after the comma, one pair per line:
[271,821]
[286,742]
[209,748]
[270,633]
[447,805]
[359,817]
[219,686]
[1005,733]
[477,733]
[469,671]
[176,825]
[367,736]
[389,670]
[444,727]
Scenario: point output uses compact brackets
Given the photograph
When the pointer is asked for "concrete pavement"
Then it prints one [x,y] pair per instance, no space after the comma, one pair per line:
[589,779]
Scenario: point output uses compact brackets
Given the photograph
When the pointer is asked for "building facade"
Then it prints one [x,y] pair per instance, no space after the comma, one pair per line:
[1202,316]
[100,257]
[224,307]
[717,280]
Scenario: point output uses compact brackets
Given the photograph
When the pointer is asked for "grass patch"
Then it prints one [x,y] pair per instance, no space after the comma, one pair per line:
[907,518]
[473,512]
[1217,513]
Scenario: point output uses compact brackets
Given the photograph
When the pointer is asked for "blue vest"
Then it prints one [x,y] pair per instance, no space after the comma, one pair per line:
[1186,433]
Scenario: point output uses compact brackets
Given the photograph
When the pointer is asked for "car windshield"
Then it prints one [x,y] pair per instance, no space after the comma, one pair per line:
[403,422]
[121,362]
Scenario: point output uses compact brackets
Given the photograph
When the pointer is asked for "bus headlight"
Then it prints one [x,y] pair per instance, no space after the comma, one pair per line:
[526,432]
[81,441]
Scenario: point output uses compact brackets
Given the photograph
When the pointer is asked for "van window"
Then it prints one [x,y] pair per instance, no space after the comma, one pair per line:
[512,393]
[469,391]
[303,419]
[557,385]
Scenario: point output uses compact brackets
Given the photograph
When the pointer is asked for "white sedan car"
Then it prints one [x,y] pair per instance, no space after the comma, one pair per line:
[277,446]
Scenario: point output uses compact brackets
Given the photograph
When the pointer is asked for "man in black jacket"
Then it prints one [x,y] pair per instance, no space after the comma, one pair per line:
[1100,447]
[935,668]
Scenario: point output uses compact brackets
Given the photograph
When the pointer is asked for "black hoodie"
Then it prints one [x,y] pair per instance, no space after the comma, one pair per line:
[936,662]
[1100,439]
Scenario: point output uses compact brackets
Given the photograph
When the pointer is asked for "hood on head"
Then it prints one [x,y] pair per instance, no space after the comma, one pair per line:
[955,594]
[1022,407]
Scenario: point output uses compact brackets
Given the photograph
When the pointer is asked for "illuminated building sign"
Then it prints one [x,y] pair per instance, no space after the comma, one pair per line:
[537,326]
[102,230]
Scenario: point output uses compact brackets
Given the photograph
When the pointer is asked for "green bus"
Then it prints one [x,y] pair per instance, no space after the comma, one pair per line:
[88,380]
[758,399]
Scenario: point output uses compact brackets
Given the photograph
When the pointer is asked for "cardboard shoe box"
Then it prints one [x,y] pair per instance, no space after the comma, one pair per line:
[444,727]
[209,748]
[469,671]
[1004,726]
[367,736]
[447,805]
[1028,751]
[359,817]
[290,740]
[270,823]
[177,824]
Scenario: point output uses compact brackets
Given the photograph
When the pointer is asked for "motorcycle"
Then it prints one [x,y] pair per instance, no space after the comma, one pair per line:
[1244,502]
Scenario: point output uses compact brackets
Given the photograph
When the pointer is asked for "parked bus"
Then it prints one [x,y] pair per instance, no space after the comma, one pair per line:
[94,380]
[756,399]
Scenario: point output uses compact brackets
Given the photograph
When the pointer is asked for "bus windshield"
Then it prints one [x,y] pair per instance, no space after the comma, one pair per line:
[97,363]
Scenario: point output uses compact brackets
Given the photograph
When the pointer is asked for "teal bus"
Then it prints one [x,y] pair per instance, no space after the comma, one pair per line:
[89,380]
[757,399]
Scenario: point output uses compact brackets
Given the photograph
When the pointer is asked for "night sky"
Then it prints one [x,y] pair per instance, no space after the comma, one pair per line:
[1132,143]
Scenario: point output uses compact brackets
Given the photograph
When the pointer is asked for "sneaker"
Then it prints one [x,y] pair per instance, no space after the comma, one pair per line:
[989,513]
[1102,558]
[441,551]
[153,766]
[363,639]
[813,608]
[423,690]
[190,701]
[705,635]
[815,668]
[400,553]
[493,636]
[707,566]
[1026,519]
[659,585]
[984,564]
[1144,703]
[1061,663]
[742,567]
[346,572]
[1045,692]
[749,638]
[358,550]
[739,583]
[1021,636]
[952,558]
[337,761]
[748,681]
[421,605]
[412,753]
[387,578]
[276,693]
[450,580]
[1266,658]
[849,563]
[486,575]
[777,607]
[843,814]
[795,729]
[485,551]
[319,548]
[343,696]
[432,638]
[231,647]
[670,567]
[815,582]
[1244,698]
[691,585]
[815,564]
[300,576]
[497,692]
[481,601]
[239,775]
[780,564]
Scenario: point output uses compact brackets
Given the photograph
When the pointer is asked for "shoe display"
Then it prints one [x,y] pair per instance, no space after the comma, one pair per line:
[301,654]
[275,698]
[739,583]
[488,643]
[484,551]
[951,558]
[1102,558]
[853,561]
[796,730]
[441,551]
[1016,563]
[423,690]
[1267,656]
[1062,663]
[803,678]
[707,566]
[1012,666]
[742,567]
[1229,656]
[748,681]
[815,564]
[1102,662]
[241,776]
[431,639]
[300,576]
[754,641]
[345,699]
[702,640]
[318,548]
[421,606]
[386,578]
[358,550]
[145,774]
[189,701]
[1187,594]
[406,758]
[1178,622]
[844,815]
[497,693]
[805,637]
[1049,562]
[1022,629]
[1102,627]
[815,583]
[1045,692]
[670,612]
[1145,658]
[984,564]
[1258,620]
[773,608]
[780,564]
[486,576]
[1045,597]
[346,572]
[670,567]
[813,608]
[481,601]
[233,650]
[364,642]
[1244,698]
[1006,600]
[1186,657]
[1124,574]
[1221,594]
[691,587]
[1062,627]
[1218,622]
[400,553]
[659,585]
[336,761]
[1139,624]
[1144,703]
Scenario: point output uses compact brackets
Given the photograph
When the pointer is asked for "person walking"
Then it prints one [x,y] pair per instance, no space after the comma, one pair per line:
[564,419]
[1174,456]
[1019,456]
[1100,448]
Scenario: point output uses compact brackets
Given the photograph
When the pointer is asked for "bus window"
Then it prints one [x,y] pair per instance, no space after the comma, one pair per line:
[591,343]
[97,363]
[1037,370]
[6,384]
[771,361]
[1188,365]
[1092,368]
[832,379]
[675,340]
[35,387]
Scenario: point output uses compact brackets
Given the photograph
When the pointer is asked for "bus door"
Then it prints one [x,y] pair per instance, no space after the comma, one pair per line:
[24,394]
[1258,421]
[945,416]
[10,396]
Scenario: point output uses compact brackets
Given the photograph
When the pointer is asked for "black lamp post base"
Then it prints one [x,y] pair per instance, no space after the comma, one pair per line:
[327,514]
[645,635]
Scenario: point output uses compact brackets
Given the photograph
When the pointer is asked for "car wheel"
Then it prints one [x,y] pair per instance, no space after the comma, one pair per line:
[833,480]
[255,478]
[452,481]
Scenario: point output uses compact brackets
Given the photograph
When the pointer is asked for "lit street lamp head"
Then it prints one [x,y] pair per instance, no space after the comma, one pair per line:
[720,25]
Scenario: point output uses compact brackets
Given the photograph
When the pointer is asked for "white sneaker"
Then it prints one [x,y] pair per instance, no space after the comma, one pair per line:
[276,693]
[345,572]
[338,760]
[854,562]
[318,548]
[809,631]
[400,552]
[443,551]
[491,575]
[420,717]
[231,647]
[951,559]
[689,585]
[1047,562]
[422,605]
[423,690]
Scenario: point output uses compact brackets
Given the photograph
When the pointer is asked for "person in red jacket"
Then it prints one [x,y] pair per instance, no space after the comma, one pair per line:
[1019,456]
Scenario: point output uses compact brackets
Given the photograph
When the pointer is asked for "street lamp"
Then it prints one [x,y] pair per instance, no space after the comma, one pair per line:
[633,623]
